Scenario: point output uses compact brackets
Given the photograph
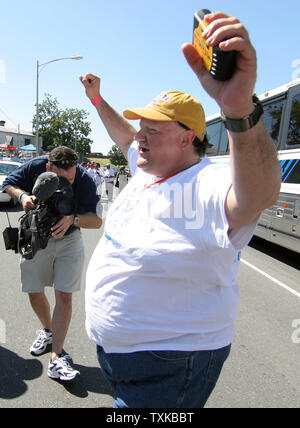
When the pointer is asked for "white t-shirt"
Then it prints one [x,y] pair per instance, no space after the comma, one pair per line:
[109,175]
[163,275]
[98,177]
[91,172]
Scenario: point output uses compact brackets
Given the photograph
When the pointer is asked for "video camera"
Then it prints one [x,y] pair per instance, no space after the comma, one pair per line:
[54,201]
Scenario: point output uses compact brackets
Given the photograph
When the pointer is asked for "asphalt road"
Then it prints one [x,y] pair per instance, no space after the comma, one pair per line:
[263,369]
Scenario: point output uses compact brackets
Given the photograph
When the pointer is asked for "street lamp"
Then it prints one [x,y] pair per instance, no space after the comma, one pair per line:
[38,66]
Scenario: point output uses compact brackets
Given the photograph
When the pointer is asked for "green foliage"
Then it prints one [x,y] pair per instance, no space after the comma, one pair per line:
[116,156]
[59,127]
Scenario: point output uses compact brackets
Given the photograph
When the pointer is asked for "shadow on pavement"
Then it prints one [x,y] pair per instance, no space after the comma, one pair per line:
[277,252]
[90,380]
[14,370]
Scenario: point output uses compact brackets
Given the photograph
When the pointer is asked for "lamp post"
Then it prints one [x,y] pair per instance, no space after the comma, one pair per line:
[38,66]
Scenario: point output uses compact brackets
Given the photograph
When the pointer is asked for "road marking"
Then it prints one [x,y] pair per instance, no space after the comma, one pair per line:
[281,284]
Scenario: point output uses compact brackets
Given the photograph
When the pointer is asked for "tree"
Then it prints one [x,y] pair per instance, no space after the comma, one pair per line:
[59,127]
[116,156]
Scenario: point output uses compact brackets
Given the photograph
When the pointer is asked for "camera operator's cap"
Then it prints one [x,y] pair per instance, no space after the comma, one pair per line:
[173,106]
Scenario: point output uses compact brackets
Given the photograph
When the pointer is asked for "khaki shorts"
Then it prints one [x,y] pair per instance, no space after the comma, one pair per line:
[60,265]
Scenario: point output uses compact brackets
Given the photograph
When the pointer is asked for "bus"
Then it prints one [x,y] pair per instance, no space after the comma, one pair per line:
[280,223]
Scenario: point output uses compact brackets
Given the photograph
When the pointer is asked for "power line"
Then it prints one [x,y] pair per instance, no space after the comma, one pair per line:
[7,117]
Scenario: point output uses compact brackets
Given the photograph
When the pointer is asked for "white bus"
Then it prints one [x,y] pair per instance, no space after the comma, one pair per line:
[280,223]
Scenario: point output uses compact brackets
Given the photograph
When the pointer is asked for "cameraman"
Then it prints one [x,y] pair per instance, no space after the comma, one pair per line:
[61,262]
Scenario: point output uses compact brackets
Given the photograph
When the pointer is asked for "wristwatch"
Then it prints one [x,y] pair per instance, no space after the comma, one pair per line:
[76,220]
[247,122]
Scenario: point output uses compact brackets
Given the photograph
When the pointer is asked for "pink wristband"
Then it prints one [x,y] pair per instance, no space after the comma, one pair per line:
[97,100]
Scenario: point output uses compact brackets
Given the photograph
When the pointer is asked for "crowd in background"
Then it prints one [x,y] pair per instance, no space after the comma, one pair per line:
[106,178]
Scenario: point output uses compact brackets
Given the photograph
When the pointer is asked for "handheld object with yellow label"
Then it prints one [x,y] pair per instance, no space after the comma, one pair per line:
[220,64]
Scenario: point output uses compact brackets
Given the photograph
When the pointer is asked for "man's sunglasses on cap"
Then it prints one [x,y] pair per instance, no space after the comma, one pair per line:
[64,164]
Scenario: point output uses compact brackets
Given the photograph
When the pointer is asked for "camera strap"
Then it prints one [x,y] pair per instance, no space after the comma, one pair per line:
[8,218]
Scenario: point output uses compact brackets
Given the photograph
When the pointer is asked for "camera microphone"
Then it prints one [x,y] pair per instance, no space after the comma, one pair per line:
[45,186]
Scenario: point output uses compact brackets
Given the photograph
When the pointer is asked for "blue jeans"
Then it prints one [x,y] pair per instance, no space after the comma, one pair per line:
[162,379]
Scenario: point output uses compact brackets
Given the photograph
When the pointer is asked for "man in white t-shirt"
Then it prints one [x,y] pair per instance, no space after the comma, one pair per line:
[109,176]
[161,293]
[98,179]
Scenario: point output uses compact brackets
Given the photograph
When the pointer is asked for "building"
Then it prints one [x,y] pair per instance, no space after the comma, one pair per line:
[97,155]
[15,137]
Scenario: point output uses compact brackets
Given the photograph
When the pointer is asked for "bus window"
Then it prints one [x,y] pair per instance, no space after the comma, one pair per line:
[213,134]
[294,126]
[272,119]
[224,145]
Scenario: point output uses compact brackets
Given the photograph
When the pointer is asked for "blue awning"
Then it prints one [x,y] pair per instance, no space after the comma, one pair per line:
[28,147]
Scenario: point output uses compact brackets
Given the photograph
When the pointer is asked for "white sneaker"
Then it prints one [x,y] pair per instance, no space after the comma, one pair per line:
[61,368]
[40,344]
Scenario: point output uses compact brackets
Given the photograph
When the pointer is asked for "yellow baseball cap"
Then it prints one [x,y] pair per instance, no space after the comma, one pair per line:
[173,106]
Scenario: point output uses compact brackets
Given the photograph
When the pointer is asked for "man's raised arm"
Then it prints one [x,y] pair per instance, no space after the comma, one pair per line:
[119,130]
[254,165]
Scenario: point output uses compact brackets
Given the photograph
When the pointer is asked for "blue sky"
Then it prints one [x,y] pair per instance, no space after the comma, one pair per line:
[133,46]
